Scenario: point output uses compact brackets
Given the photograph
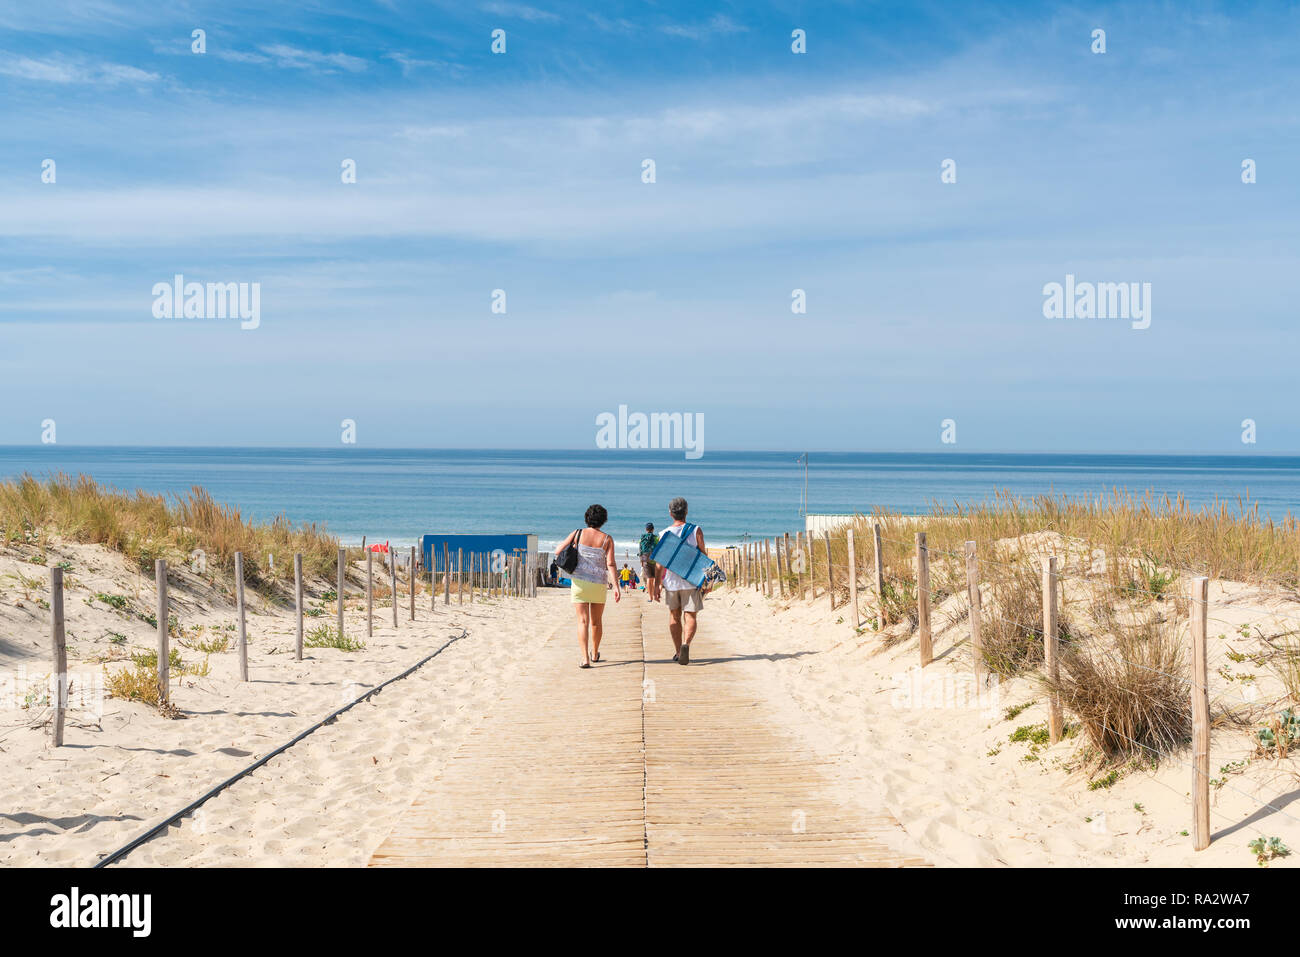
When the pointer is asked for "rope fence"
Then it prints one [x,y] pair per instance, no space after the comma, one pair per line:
[478,576]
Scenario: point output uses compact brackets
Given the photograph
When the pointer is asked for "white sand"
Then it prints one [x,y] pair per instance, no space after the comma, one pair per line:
[965,792]
[329,800]
[948,773]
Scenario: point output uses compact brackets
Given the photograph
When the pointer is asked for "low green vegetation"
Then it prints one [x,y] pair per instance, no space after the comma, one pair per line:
[1267,849]
[324,636]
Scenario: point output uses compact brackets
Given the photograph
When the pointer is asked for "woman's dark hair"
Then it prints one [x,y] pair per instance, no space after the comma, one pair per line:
[596,516]
[677,509]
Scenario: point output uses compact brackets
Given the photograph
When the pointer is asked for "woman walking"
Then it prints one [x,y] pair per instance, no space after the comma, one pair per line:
[596,572]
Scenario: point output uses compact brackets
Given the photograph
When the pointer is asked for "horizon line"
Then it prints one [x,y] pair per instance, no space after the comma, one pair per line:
[1285,453]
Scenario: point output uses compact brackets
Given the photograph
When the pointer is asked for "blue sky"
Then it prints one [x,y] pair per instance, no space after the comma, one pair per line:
[775,171]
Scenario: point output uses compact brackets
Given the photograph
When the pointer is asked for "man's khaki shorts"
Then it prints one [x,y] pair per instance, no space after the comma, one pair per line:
[684,599]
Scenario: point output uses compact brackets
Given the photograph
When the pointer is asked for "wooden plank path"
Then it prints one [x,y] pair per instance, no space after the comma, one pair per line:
[637,762]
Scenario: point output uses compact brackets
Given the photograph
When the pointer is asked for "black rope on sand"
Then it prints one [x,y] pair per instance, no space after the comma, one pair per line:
[126,849]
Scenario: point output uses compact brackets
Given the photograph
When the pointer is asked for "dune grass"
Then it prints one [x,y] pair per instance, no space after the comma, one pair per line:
[146,526]
[1123,564]
[1160,534]
[323,636]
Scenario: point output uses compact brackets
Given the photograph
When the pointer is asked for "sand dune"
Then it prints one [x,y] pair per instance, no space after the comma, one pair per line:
[949,774]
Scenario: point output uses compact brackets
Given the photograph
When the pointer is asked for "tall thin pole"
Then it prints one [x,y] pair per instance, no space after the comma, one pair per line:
[1200,702]
[343,564]
[297,605]
[239,606]
[1052,649]
[58,642]
[164,653]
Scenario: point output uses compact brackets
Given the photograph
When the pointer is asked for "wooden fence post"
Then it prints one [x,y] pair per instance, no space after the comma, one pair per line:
[392,581]
[853,577]
[1200,715]
[370,594]
[1051,648]
[59,646]
[973,596]
[880,577]
[767,570]
[798,547]
[164,652]
[243,626]
[830,570]
[780,573]
[812,565]
[413,581]
[446,572]
[460,576]
[343,564]
[297,604]
[923,598]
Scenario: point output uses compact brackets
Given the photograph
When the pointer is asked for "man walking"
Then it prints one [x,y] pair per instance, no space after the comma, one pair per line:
[684,600]
[647,547]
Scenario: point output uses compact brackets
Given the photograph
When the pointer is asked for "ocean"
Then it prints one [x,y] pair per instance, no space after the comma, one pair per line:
[396,495]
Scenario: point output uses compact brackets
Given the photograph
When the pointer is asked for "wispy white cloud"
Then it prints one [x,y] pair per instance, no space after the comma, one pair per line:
[294,58]
[418,133]
[62,17]
[300,59]
[64,70]
[519,11]
[718,25]
[239,56]
[611,25]
[411,65]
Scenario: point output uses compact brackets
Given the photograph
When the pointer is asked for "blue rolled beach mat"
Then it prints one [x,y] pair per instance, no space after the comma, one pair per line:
[682,558]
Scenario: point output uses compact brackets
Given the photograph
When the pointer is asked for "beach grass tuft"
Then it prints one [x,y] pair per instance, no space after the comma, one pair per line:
[137,683]
[325,636]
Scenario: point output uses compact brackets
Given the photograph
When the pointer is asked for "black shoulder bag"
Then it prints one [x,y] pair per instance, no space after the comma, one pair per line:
[568,558]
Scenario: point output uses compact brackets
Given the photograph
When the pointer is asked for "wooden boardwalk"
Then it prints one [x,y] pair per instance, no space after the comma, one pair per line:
[637,762]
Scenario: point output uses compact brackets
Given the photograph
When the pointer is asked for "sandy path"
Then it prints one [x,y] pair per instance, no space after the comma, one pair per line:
[641,761]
